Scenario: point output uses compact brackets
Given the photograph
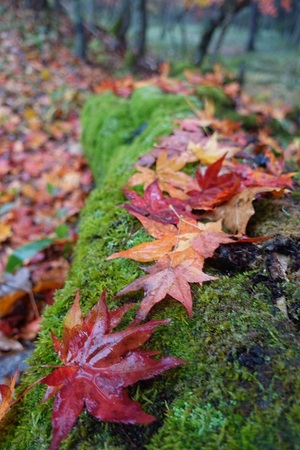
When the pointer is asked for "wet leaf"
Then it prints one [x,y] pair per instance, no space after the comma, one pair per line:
[25,252]
[98,365]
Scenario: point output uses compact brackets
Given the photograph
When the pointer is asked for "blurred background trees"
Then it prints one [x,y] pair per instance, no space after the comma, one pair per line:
[147,32]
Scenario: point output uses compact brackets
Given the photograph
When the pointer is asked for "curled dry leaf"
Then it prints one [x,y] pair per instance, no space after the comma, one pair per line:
[236,212]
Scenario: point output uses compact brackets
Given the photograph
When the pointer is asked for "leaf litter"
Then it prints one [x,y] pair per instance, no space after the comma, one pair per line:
[205,211]
[44,178]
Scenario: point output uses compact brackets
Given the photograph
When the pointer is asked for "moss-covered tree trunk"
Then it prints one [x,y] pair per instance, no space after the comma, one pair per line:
[241,387]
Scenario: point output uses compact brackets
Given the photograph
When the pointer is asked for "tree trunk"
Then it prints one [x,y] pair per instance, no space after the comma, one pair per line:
[216,20]
[142,29]
[80,40]
[296,28]
[253,28]
[229,15]
[122,25]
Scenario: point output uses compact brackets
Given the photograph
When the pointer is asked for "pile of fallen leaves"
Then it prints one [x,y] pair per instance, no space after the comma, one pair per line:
[198,184]
[191,216]
[44,179]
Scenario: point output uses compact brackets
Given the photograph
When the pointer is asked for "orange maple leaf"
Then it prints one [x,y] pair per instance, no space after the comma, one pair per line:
[168,174]
[203,238]
[180,251]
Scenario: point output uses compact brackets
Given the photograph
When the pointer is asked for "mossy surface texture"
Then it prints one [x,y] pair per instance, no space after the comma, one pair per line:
[241,386]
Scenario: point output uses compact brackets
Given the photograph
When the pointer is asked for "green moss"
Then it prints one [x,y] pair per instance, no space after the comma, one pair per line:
[110,124]
[240,388]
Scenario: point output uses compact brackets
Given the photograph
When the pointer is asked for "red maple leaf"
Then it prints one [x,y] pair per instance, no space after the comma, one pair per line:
[257,177]
[155,206]
[214,188]
[98,365]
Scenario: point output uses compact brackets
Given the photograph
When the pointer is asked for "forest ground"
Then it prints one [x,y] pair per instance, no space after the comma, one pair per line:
[44,177]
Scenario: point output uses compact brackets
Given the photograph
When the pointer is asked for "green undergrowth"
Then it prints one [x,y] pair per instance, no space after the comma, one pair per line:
[240,388]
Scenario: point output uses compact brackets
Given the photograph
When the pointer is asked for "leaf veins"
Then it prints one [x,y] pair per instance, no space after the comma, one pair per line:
[98,365]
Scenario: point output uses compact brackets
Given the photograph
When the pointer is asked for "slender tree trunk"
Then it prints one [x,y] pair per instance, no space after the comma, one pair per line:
[253,28]
[214,22]
[122,25]
[296,29]
[217,19]
[142,29]
[180,20]
[229,15]
[80,39]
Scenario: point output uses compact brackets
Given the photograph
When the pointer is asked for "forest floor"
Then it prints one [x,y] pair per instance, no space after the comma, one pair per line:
[44,176]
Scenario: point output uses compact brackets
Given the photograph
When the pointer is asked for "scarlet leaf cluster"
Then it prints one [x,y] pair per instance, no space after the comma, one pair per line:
[190,217]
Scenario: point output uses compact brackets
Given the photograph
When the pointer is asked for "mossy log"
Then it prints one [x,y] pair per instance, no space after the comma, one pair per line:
[241,388]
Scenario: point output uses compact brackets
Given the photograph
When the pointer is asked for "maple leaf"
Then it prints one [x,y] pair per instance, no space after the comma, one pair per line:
[180,251]
[163,280]
[155,205]
[98,365]
[236,212]
[6,393]
[168,174]
[203,238]
[215,188]
[212,150]
[176,144]
[257,177]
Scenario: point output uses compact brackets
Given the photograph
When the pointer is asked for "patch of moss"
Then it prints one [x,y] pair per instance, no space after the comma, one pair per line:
[240,388]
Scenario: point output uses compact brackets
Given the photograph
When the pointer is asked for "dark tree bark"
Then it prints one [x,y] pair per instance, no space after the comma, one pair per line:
[214,22]
[80,39]
[217,19]
[122,25]
[253,28]
[229,15]
[142,29]
[296,28]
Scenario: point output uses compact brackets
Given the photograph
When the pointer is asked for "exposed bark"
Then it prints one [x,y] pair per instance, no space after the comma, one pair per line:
[122,25]
[142,29]
[296,29]
[80,39]
[214,22]
[218,17]
[253,28]
[225,25]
